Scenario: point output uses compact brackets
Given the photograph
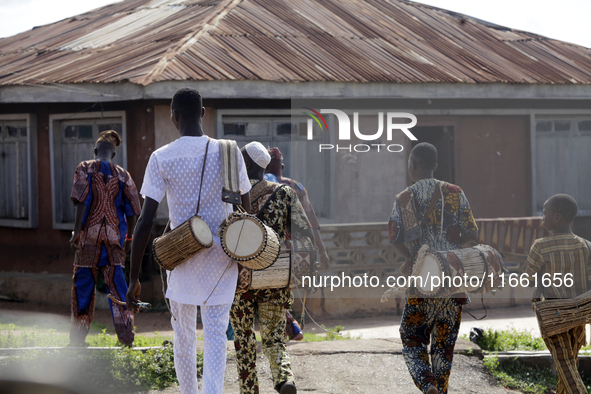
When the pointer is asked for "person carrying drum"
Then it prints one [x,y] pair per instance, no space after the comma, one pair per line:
[274,173]
[557,255]
[279,208]
[444,221]
[107,204]
[207,279]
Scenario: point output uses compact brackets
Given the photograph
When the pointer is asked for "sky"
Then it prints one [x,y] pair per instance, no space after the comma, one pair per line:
[565,20]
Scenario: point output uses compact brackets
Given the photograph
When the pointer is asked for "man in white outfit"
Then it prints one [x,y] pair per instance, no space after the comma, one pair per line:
[209,278]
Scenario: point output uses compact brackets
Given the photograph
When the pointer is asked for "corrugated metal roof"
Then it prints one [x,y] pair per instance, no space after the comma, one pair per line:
[147,41]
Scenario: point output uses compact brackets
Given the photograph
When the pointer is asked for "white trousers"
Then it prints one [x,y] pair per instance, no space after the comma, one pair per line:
[215,323]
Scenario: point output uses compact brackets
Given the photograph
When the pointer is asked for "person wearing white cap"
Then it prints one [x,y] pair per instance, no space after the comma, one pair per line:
[258,153]
[279,208]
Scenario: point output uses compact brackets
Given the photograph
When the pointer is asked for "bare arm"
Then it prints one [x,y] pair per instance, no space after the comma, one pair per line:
[131,220]
[80,209]
[141,236]
[324,259]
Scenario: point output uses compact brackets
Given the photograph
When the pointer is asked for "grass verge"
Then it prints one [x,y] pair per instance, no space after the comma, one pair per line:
[500,341]
[118,370]
[513,375]
[15,337]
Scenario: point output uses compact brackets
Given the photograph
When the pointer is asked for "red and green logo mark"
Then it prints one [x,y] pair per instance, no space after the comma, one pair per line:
[315,116]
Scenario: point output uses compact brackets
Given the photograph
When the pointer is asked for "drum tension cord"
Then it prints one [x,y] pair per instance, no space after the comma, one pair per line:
[483,307]
[307,313]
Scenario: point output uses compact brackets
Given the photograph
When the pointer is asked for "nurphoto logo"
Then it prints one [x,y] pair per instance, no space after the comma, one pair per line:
[344,130]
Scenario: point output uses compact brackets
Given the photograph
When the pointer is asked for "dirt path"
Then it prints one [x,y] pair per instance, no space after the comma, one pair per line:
[362,366]
[371,366]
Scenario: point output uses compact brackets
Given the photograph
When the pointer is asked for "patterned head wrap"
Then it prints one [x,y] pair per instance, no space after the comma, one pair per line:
[258,153]
[275,154]
[109,136]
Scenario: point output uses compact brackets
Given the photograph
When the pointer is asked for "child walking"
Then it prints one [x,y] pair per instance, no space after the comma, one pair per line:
[563,253]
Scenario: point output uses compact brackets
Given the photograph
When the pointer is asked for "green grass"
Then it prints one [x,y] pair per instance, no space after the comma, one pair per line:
[119,370]
[27,323]
[512,374]
[12,336]
[500,341]
[331,334]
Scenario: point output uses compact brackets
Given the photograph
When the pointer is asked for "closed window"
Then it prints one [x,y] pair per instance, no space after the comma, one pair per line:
[562,147]
[74,137]
[17,182]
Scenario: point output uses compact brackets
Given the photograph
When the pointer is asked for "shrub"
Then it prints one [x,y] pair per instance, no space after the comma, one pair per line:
[498,341]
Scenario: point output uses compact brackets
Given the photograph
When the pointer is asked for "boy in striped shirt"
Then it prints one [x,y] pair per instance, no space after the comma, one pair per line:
[563,255]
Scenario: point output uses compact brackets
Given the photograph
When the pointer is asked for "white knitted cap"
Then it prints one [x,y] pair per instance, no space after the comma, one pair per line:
[258,153]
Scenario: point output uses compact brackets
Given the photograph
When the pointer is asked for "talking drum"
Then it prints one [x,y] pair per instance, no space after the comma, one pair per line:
[556,316]
[182,243]
[442,273]
[249,241]
[277,276]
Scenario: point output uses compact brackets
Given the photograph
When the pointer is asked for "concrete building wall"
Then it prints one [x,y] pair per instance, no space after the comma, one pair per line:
[365,183]
[493,164]
[164,130]
[45,249]
[40,249]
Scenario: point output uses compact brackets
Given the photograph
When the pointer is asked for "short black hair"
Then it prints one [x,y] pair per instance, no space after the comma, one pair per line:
[565,205]
[187,102]
[425,154]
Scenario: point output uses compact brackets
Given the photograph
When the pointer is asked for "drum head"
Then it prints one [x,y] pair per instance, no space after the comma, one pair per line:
[431,267]
[244,238]
[201,231]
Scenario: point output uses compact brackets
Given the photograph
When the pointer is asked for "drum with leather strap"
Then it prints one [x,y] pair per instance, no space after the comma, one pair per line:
[185,241]
[246,239]
[441,273]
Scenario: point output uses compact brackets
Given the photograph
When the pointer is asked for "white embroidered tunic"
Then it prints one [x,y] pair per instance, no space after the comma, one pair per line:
[175,171]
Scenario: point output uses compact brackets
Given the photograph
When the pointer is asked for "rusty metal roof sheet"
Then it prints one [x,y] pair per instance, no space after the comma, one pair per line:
[147,41]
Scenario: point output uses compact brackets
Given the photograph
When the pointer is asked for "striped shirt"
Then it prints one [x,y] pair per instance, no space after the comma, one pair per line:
[563,257]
